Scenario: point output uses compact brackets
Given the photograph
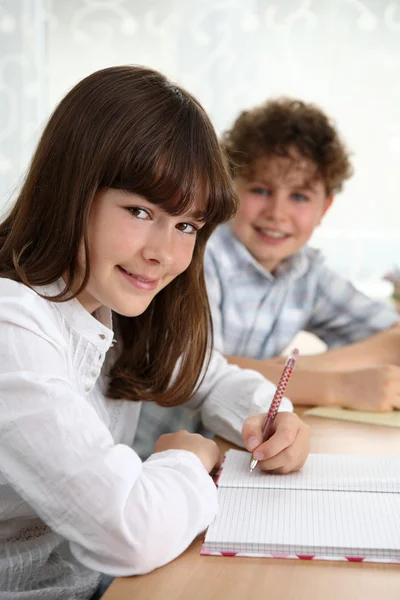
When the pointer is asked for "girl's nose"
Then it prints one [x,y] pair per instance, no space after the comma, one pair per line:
[159,247]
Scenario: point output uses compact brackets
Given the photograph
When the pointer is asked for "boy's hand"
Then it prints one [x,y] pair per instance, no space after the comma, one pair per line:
[204,448]
[373,389]
[287,448]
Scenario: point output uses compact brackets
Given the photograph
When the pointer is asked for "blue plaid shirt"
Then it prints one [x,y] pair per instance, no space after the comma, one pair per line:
[257,314]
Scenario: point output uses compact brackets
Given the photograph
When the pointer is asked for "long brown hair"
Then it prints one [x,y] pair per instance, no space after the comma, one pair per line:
[129,128]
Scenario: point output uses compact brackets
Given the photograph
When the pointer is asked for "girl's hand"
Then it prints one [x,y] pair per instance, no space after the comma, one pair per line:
[287,448]
[205,449]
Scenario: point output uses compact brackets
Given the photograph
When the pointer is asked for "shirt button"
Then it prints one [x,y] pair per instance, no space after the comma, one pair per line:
[88,388]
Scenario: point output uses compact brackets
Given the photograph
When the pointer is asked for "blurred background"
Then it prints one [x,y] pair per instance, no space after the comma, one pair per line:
[341,54]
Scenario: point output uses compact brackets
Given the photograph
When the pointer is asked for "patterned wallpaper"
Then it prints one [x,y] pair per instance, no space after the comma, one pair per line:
[232,54]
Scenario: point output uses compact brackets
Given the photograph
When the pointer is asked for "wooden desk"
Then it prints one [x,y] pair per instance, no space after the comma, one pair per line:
[195,577]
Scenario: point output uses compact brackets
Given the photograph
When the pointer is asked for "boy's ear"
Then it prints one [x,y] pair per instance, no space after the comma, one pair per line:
[328,204]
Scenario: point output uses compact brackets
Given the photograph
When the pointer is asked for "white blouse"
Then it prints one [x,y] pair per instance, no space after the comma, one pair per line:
[75,499]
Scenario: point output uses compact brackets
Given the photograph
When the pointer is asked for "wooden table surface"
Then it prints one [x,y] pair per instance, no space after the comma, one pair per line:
[195,577]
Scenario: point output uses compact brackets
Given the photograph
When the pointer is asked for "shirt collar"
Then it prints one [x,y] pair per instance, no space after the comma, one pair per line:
[293,267]
[96,328]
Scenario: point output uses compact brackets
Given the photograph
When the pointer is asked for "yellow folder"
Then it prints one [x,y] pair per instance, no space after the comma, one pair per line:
[391,419]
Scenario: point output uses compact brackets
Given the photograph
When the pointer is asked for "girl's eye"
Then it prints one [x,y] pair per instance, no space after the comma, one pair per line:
[138,212]
[260,191]
[300,197]
[187,228]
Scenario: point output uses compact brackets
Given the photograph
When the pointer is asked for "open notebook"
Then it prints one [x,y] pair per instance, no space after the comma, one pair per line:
[338,507]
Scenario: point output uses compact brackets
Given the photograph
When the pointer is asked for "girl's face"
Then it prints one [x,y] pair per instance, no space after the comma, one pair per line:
[136,249]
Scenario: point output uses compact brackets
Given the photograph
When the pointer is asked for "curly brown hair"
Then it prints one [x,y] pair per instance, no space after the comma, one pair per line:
[290,128]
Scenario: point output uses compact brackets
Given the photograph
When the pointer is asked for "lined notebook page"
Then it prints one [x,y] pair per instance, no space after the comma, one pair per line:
[321,472]
[337,506]
[292,522]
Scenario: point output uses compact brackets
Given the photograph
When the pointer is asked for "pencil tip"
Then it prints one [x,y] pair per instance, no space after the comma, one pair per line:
[253,465]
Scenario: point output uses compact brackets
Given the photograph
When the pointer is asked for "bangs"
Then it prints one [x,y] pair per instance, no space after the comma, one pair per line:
[181,168]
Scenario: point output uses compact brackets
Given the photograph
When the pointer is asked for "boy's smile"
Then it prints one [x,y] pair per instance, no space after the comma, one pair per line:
[272,236]
[280,204]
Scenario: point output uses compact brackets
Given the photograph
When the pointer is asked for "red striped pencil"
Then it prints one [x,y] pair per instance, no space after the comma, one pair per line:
[276,400]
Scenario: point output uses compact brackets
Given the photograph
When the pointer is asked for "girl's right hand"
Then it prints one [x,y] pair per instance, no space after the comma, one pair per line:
[205,449]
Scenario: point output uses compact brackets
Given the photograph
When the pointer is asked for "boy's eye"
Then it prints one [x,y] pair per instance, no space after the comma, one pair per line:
[299,197]
[260,191]
[187,228]
[138,212]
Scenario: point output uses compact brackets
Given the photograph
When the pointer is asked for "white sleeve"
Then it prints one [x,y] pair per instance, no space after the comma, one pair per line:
[229,394]
[121,516]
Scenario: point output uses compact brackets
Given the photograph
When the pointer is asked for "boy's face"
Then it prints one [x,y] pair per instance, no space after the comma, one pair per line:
[280,205]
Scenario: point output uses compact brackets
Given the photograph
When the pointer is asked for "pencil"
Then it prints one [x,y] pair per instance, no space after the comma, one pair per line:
[276,400]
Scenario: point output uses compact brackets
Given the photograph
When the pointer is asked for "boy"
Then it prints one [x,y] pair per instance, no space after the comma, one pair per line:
[265,284]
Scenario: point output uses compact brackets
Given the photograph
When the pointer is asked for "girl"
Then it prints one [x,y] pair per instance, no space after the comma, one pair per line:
[109,230]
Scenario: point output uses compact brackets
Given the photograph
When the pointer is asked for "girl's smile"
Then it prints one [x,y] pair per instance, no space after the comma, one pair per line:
[141,282]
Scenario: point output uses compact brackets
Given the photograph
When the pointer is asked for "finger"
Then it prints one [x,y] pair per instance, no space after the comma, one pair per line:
[292,458]
[252,431]
[277,464]
[283,437]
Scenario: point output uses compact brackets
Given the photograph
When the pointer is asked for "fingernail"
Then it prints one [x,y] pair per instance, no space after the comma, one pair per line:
[253,442]
[259,455]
